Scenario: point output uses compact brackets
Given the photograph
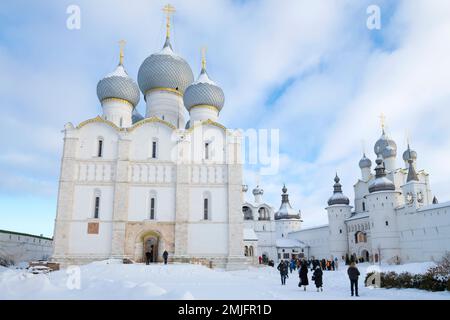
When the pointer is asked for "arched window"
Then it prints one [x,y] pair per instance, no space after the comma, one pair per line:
[250,251]
[207,145]
[97,195]
[152,205]
[246,251]
[248,213]
[121,122]
[263,213]
[100,147]
[206,205]
[154,148]
[364,206]
[360,237]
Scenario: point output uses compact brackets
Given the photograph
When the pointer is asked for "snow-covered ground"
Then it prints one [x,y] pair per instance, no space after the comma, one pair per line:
[109,280]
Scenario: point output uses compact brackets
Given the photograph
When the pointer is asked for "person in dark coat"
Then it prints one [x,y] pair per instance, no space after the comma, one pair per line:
[317,278]
[147,257]
[283,268]
[353,274]
[303,274]
[165,256]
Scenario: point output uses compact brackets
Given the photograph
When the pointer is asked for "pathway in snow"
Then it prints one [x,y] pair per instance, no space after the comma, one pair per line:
[104,280]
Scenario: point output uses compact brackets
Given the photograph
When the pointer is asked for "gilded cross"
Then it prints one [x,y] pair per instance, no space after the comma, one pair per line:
[383,120]
[121,46]
[204,58]
[169,10]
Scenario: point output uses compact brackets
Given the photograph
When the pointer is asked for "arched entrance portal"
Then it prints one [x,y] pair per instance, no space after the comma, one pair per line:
[148,242]
[365,255]
[151,246]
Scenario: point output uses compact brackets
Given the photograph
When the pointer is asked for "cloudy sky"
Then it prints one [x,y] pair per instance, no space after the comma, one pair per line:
[311,69]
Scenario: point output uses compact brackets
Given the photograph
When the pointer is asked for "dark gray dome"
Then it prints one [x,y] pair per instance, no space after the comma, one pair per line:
[204,92]
[338,197]
[165,69]
[380,183]
[118,85]
[258,190]
[365,162]
[409,154]
[385,146]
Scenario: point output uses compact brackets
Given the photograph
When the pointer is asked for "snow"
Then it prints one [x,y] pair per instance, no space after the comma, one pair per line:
[250,235]
[112,280]
[204,78]
[289,243]
[118,72]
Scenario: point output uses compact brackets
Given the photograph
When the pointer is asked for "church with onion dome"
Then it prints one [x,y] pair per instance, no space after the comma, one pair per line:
[394,217]
[133,186]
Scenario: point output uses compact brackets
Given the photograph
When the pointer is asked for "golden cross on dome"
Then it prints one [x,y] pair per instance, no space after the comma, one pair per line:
[408,137]
[169,10]
[383,121]
[122,46]
[204,58]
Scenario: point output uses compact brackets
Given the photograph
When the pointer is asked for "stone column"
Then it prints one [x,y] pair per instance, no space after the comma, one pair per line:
[65,200]
[236,258]
[121,194]
[182,201]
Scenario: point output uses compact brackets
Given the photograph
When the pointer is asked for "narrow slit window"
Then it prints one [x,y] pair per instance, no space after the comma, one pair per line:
[154,146]
[152,209]
[97,207]
[100,148]
[205,209]
[207,150]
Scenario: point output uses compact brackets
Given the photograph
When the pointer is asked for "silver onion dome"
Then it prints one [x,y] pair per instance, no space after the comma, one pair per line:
[380,183]
[119,85]
[409,154]
[365,162]
[165,69]
[338,197]
[257,191]
[385,146]
[204,92]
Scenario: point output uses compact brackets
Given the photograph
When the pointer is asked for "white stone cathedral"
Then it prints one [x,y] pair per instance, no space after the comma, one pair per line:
[131,184]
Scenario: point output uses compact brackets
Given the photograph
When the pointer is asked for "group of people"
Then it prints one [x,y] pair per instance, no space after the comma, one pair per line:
[149,256]
[317,267]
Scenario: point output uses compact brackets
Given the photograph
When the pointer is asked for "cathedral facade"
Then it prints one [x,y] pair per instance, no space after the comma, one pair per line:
[132,185]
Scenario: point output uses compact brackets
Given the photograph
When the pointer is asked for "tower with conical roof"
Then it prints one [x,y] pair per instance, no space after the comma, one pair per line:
[338,211]
[382,202]
[414,191]
[287,220]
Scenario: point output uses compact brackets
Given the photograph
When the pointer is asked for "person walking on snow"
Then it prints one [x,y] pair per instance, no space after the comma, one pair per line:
[353,274]
[303,275]
[283,268]
[292,265]
[147,257]
[317,278]
[165,256]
